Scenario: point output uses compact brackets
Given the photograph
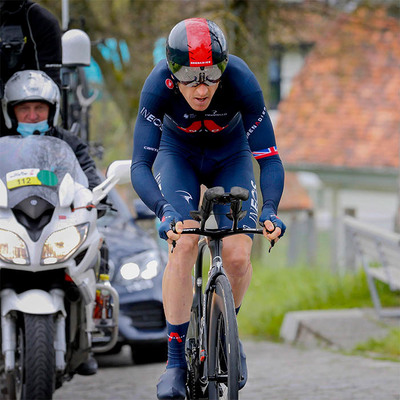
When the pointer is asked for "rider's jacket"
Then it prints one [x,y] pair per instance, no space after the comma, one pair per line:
[236,119]
[81,150]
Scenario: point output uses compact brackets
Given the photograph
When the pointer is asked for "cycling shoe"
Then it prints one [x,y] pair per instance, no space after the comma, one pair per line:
[243,366]
[172,384]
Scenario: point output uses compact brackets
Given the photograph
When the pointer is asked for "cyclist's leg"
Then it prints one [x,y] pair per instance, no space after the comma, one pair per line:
[236,250]
[180,186]
[182,190]
[236,255]
[238,171]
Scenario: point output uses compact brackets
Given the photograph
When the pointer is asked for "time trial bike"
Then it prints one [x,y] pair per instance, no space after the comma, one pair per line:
[212,344]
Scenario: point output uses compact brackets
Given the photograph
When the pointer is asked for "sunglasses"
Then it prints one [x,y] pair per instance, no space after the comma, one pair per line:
[195,76]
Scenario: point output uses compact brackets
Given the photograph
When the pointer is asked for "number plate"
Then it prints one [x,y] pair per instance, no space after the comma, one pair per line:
[30,177]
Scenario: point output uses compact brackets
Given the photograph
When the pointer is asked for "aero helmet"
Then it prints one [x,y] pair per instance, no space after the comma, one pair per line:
[197,52]
[30,85]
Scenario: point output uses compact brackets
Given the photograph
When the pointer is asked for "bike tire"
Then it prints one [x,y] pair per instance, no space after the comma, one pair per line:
[192,349]
[223,343]
[39,357]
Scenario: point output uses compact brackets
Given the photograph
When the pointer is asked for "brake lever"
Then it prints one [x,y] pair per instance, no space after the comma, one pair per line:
[272,242]
[173,225]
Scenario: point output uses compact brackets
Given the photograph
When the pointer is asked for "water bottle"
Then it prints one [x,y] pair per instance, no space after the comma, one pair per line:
[103,309]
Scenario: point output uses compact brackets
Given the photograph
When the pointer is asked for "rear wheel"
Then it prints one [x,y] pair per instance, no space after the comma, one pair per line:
[223,343]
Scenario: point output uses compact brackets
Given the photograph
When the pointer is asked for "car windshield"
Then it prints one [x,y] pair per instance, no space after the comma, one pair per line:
[36,165]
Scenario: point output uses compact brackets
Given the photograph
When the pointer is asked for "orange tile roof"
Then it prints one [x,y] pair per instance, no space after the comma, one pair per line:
[344,106]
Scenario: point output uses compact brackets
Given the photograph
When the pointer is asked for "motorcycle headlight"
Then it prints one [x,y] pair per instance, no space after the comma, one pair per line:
[13,249]
[144,266]
[60,245]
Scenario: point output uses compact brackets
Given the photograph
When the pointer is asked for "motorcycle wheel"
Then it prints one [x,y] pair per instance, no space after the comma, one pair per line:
[34,375]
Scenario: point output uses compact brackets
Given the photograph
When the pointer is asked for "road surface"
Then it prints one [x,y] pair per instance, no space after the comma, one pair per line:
[276,372]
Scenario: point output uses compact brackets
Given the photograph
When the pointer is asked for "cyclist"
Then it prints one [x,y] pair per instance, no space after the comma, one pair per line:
[31,106]
[201,117]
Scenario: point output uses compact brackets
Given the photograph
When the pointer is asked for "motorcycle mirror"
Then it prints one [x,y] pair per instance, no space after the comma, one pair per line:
[118,172]
[121,169]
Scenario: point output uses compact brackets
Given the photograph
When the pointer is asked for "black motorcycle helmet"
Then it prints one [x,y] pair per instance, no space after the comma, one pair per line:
[197,51]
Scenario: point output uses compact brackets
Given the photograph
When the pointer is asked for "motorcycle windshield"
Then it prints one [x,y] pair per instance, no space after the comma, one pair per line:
[36,166]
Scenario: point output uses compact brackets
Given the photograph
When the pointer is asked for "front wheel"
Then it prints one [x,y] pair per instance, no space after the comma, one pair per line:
[223,343]
[34,375]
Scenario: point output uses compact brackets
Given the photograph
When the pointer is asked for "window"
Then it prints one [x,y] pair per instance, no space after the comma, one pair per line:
[284,64]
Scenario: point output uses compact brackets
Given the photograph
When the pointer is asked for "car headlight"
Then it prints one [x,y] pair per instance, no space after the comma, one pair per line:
[12,248]
[144,266]
[60,245]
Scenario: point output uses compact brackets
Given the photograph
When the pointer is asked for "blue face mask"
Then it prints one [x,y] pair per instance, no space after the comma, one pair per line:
[27,129]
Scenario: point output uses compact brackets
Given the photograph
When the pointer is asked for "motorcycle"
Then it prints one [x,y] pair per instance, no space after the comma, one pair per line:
[53,304]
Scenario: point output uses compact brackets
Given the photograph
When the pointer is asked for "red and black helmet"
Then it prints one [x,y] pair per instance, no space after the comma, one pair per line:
[197,51]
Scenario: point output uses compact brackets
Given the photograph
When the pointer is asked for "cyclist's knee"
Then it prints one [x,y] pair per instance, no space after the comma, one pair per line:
[236,257]
[237,267]
[184,254]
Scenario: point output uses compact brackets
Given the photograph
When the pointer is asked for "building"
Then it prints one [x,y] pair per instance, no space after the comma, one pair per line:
[340,123]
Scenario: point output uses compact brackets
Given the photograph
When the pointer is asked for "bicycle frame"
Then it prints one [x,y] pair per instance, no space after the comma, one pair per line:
[200,299]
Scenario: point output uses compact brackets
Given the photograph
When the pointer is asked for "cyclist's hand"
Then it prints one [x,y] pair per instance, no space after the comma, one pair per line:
[169,219]
[274,228]
[175,233]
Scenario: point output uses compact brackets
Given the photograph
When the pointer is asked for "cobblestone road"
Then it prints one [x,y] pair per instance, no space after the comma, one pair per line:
[276,372]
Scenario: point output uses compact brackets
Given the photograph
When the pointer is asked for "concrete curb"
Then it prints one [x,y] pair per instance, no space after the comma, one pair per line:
[341,329]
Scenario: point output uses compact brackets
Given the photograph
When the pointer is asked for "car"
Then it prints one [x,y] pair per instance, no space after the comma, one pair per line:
[137,261]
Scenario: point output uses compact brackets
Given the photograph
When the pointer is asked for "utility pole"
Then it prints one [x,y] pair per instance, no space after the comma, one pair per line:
[65,14]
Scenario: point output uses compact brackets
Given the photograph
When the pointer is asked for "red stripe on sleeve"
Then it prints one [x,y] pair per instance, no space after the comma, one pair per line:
[199,42]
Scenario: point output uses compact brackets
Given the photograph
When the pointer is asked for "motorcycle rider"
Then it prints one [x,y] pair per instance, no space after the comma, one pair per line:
[31,106]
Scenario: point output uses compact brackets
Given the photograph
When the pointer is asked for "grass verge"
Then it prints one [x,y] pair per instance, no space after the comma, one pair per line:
[387,348]
[274,291]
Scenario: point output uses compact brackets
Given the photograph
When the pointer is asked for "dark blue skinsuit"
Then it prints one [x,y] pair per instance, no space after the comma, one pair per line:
[212,147]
